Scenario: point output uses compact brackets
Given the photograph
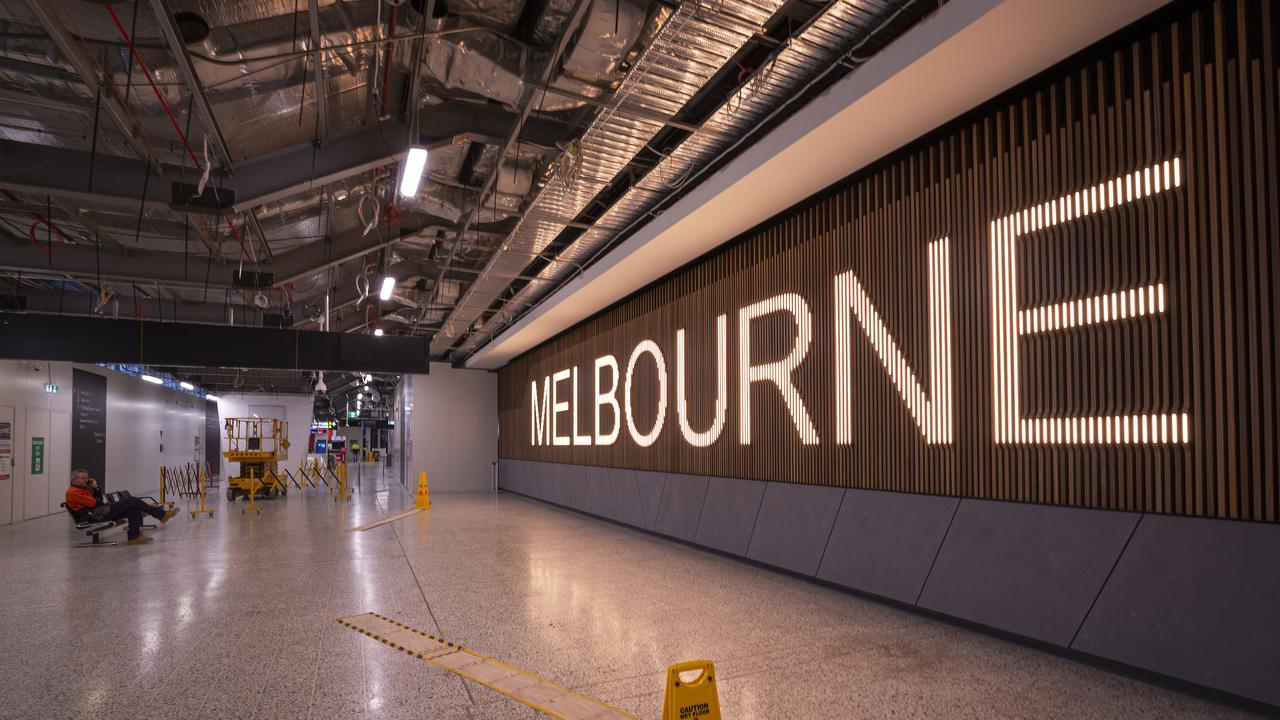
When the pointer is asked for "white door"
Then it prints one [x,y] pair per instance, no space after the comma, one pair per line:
[36,487]
[8,463]
[58,456]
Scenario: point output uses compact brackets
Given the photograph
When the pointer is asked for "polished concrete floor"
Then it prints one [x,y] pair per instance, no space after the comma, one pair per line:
[234,617]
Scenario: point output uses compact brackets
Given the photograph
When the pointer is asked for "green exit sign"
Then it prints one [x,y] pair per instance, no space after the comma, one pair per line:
[351,413]
[51,388]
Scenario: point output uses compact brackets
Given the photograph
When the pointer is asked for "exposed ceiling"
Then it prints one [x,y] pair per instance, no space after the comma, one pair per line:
[923,80]
[168,159]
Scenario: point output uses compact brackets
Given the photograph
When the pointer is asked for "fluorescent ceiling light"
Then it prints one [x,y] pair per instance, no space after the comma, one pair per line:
[368,377]
[359,396]
[388,284]
[377,332]
[414,164]
[211,397]
[153,379]
[186,385]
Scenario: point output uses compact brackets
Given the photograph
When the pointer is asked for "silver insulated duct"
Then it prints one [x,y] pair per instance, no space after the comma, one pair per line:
[692,45]
[797,62]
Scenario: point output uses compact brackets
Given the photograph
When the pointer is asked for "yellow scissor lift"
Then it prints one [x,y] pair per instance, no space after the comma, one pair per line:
[258,445]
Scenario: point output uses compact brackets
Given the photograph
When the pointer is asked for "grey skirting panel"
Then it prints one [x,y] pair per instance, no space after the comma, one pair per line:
[1188,598]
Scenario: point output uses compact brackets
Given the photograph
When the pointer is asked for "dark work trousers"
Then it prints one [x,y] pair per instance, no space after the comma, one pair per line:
[132,508]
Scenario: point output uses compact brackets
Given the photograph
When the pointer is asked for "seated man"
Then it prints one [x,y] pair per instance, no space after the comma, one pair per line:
[84,499]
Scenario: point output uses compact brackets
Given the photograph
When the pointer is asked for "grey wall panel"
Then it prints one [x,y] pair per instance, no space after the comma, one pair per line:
[506,468]
[650,486]
[793,525]
[584,475]
[884,543]
[627,507]
[1198,600]
[511,474]
[514,475]
[729,514]
[554,488]
[681,505]
[544,482]
[522,476]
[533,481]
[599,481]
[567,486]
[1029,569]
[579,497]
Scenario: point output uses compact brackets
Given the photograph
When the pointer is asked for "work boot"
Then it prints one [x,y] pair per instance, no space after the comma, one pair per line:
[141,540]
[168,514]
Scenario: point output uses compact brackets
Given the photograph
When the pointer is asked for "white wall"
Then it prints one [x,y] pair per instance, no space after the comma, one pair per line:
[33,412]
[298,412]
[136,414]
[454,428]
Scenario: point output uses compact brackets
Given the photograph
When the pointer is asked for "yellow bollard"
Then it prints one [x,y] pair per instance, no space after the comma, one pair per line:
[202,510]
[691,699]
[253,492]
[424,498]
[344,493]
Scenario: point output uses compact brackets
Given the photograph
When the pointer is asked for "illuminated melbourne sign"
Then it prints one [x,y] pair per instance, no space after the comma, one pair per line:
[1067,296]
[926,393]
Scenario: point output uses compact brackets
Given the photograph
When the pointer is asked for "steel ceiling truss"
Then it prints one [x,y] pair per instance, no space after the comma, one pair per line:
[537,117]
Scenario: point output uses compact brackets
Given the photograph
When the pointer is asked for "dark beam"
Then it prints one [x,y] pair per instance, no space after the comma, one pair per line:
[78,339]
[41,169]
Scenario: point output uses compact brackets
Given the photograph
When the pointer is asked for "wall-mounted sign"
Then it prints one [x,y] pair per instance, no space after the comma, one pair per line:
[89,424]
[37,456]
[925,394]
[51,388]
[1068,296]
[6,451]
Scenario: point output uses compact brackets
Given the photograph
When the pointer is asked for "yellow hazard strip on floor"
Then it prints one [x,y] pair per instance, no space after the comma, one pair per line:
[387,519]
[555,700]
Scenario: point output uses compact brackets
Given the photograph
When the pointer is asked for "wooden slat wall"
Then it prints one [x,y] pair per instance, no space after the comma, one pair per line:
[1199,83]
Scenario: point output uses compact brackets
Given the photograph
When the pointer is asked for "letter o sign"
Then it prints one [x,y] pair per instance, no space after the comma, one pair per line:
[650,347]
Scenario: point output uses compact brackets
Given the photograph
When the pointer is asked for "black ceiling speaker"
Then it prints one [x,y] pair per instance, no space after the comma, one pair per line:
[252,280]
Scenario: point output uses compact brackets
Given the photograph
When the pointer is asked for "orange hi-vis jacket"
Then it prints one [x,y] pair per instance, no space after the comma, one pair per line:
[79,498]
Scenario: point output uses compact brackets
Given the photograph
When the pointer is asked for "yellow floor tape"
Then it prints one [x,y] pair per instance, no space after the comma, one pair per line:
[555,700]
[387,519]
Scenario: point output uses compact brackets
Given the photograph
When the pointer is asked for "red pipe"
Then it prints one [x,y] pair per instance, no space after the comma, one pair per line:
[31,232]
[151,82]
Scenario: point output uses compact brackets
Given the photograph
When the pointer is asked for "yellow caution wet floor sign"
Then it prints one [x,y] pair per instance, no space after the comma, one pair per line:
[424,498]
[691,692]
